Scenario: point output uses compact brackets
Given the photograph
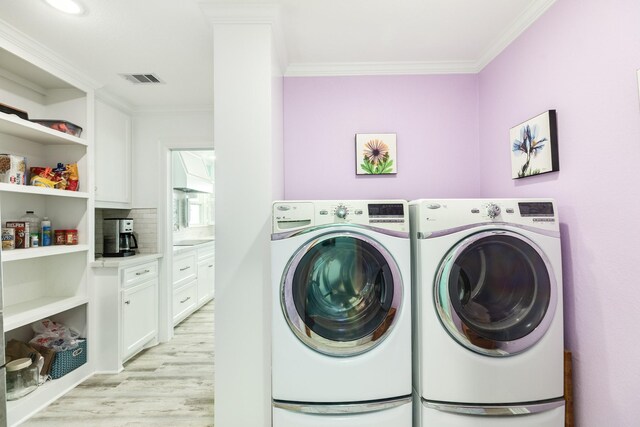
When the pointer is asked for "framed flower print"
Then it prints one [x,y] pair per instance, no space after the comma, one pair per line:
[376,154]
[534,146]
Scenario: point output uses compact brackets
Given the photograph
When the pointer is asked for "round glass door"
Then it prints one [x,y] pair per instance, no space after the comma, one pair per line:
[341,293]
[496,293]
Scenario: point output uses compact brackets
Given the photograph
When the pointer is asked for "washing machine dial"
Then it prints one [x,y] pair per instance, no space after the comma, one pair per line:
[493,210]
[341,211]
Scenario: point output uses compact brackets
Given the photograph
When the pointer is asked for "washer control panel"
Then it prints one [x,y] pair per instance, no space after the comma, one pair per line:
[387,214]
[440,215]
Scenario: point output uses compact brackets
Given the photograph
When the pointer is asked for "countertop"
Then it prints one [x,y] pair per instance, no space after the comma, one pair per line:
[185,248]
[111,262]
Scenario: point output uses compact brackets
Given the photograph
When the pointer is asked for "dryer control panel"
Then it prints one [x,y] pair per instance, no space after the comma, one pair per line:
[386,214]
[430,216]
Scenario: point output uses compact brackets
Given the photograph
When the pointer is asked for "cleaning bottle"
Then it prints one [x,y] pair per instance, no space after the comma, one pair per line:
[46,232]
[34,228]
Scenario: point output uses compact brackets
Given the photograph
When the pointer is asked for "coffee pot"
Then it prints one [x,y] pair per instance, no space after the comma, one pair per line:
[119,239]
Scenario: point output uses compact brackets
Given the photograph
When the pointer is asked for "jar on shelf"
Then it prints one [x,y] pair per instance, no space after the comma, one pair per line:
[22,378]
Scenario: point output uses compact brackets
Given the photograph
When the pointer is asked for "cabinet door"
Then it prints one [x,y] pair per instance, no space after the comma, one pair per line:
[113,157]
[206,268]
[139,316]
[184,301]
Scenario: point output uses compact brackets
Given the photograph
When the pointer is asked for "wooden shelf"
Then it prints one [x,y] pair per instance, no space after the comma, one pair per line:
[39,252]
[17,315]
[42,191]
[13,125]
[19,410]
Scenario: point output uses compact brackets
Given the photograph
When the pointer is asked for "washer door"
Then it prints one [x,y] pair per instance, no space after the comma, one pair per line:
[495,293]
[341,292]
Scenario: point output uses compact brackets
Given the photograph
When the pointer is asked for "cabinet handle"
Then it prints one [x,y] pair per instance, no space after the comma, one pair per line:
[186,268]
[210,265]
[127,302]
[185,300]
[140,273]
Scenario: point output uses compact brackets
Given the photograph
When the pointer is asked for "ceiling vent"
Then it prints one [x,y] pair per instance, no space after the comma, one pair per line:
[142,78]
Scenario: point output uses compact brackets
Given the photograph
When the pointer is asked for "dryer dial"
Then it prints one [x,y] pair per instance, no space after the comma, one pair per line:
[341,211]
[493,210]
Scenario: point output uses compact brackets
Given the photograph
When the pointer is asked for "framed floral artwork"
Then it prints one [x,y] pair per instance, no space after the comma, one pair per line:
[534,146]
[376,154]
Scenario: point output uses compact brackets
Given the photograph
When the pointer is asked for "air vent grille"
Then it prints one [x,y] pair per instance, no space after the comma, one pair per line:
[149,78]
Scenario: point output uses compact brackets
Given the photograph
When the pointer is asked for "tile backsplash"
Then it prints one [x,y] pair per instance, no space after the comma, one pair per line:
[145,227]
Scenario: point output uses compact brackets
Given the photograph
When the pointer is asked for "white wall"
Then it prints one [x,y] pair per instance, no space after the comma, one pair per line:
[248,137]
[150,132]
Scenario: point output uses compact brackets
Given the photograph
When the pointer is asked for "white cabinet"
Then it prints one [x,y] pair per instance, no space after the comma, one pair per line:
[113,151]
[126,308]
[193,279]
[206,275]
[139,316]
[46,282]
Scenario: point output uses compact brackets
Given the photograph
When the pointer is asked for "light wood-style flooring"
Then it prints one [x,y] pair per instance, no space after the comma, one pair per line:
[167,385]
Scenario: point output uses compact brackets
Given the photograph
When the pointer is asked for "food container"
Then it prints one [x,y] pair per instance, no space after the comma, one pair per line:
[7,109]
[22,233]
[22,378]
[13,169]
[71,237]
[60,125]
[8,239]
[60,237]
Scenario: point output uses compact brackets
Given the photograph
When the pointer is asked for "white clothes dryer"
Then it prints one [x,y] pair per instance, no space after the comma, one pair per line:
[488,314]
[341,312]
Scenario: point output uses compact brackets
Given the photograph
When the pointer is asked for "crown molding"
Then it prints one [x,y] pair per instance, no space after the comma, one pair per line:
[522,22]
[381,68]
[32,51]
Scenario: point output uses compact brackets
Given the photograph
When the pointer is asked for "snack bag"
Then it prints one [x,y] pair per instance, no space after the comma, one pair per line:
[73,182]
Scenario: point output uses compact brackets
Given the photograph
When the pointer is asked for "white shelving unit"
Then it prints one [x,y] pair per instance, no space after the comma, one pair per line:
[46,282]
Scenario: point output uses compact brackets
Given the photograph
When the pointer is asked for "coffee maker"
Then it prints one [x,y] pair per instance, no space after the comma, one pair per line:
[118,237]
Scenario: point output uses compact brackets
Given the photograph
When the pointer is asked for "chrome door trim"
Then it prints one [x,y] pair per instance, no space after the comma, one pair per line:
[440,233]
[318,342]
[293,233]
[454,324]
[495,410]
[342,408]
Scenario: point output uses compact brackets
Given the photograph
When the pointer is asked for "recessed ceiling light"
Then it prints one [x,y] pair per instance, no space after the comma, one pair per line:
[71,7]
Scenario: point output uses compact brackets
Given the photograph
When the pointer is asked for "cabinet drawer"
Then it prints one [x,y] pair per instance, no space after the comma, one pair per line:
[184,301]
[184,269]
[139,273]
[206,252]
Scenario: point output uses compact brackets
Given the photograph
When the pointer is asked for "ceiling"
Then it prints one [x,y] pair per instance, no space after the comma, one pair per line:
[173,39]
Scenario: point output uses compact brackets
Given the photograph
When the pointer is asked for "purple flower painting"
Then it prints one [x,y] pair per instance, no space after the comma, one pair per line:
[534,146]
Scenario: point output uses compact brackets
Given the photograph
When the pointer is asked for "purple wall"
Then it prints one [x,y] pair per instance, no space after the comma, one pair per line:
[581,59]
[435,119]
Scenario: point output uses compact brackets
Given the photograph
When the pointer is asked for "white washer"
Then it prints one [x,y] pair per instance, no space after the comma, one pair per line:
[341,318]
[488,331]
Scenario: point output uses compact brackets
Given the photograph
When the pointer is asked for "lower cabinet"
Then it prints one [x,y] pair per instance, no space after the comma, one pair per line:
[185,300]
[126,294]
[139,316]
[193,279]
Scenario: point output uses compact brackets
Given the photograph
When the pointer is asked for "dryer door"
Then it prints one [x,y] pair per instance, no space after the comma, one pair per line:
[496,293]
[341,292]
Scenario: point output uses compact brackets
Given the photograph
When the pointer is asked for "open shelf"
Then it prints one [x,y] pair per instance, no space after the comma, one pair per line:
[30,311]
[13,125]
[21,409]
[43,191]
[39,252]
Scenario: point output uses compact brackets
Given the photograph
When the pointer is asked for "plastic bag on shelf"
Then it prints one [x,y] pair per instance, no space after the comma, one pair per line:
[54,335]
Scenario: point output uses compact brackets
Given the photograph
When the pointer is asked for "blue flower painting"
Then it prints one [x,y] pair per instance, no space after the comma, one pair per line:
[534,146]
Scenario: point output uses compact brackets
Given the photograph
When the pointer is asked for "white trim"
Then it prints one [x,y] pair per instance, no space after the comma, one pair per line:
[380,68]
[522,22]
[29,49]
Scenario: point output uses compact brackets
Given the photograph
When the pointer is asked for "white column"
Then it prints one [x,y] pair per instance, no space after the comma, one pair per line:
[248,144]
